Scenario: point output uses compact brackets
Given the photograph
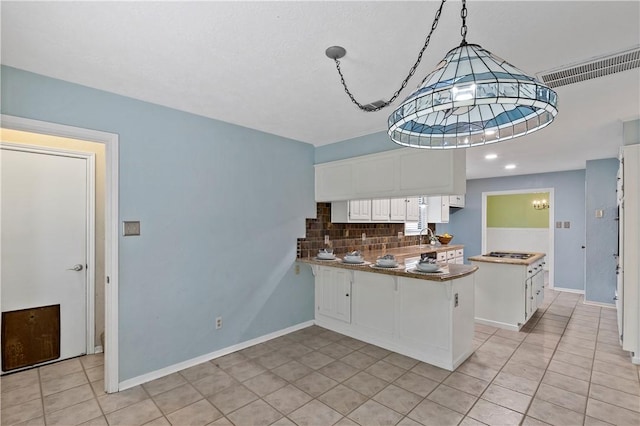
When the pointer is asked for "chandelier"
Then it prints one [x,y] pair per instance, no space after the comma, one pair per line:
[472,98]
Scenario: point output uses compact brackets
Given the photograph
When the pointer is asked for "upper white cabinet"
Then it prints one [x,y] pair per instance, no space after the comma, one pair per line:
[438,209]
[456,201]
[392,174]
[380,210]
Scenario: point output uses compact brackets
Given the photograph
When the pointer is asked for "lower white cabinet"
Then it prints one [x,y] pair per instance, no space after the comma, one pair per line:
[432,321]
[333,293]
[380,210]
[452,256]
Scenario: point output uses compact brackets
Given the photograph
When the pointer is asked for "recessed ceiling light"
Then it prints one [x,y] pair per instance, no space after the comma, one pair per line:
[491,156]
[510,166]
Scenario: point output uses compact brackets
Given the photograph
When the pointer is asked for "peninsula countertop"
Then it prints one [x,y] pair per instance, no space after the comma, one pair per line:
[451,271]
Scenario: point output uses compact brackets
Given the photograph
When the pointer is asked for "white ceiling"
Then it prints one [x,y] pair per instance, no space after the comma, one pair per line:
[262,64]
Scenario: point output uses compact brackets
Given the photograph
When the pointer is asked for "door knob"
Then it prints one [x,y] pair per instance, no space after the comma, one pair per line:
[77,267]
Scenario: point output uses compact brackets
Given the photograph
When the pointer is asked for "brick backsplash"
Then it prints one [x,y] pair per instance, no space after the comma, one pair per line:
[346,237]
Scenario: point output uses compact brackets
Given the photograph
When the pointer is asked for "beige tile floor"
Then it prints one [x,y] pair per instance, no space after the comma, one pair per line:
[565,368]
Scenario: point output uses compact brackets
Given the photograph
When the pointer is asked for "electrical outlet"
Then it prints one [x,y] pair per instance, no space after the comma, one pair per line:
[326,239]
[297,269]
[218,323]
[599,213]
[364,236]
[400,234]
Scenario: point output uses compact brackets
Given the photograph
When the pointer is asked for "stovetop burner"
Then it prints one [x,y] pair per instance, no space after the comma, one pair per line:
[509,255]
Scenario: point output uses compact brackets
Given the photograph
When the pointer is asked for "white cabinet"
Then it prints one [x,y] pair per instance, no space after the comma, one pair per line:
[351,211]
[454,256]
[507,295]
[456,201]
[431,321]
[438,209]
[398,209]
[380,210]
[373,296]
[629,267]
[333,293]
[396,173]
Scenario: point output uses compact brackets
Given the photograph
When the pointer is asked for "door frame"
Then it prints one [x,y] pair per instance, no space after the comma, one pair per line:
[550,256]
[111,143]
[90,242]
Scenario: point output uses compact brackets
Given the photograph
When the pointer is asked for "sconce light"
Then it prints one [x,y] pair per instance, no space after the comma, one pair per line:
[540,204]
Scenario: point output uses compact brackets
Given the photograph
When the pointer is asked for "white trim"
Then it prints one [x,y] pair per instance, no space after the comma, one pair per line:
[551,255]
[569,290]
[153,375]
[111,142]
[497,324]
[90,238]
[98,349]
[600,304]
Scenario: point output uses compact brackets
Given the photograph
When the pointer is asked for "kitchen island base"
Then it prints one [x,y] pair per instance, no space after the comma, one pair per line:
[431,321]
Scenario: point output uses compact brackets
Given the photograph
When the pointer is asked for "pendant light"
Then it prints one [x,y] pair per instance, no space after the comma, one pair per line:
[472,98]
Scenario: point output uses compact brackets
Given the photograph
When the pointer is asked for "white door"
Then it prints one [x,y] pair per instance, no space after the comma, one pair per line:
[44,239]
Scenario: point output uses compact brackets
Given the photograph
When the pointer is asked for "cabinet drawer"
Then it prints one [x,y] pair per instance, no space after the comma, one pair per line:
[460,253]
[451,254]
[442,256]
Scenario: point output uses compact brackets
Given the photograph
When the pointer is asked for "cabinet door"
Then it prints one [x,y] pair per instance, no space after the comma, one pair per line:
[413,209]
[333,293]
[438,209]
[360,210]
[398,209]
[373,303]
[529,302]
[380,210]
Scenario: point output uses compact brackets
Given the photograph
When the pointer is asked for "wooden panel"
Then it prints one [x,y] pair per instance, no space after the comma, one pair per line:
[30,336]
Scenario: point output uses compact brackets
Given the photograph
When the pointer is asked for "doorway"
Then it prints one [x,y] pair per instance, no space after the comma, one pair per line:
[110,142]
[517,234]
[48,256]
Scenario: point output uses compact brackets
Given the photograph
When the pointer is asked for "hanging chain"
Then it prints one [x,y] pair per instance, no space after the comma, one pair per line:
[411,71]
[463,29]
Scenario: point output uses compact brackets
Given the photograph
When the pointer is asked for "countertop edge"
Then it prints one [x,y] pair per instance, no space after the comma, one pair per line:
[488,259]
[456,270]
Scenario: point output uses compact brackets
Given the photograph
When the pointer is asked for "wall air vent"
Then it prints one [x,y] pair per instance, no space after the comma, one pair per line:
[593,68]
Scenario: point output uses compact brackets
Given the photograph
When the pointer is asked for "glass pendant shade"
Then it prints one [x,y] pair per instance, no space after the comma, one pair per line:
[472,98]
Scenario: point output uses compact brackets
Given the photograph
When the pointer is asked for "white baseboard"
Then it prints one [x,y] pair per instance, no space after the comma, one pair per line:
[569,290]
[98,350]
[135,381]
[600,304]
[497,324]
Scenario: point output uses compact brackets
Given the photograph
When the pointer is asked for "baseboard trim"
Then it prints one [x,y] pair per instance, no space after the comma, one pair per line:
[144,378]
[569,290]
[98,350]
[599,304]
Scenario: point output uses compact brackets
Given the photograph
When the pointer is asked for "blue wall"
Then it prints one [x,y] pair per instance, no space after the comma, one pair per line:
[220,206]
[569,202]
[602,233]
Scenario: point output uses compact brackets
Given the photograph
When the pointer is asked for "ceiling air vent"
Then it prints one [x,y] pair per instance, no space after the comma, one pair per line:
[593,68]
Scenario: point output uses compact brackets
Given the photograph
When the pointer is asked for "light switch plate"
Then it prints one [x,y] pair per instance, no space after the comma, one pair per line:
[558,224]
[130,228]
[599,213]
[567,224]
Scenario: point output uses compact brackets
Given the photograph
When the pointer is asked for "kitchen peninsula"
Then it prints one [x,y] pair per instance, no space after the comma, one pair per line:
[426,316]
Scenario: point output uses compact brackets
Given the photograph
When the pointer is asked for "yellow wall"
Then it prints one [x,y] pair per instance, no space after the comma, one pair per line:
[516,211]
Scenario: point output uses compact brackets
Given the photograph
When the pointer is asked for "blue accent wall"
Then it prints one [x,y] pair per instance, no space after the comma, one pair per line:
[221,207]
[602,233]
[569,202]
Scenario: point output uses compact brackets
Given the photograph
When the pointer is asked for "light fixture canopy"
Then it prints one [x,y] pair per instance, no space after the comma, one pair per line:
[472,98]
